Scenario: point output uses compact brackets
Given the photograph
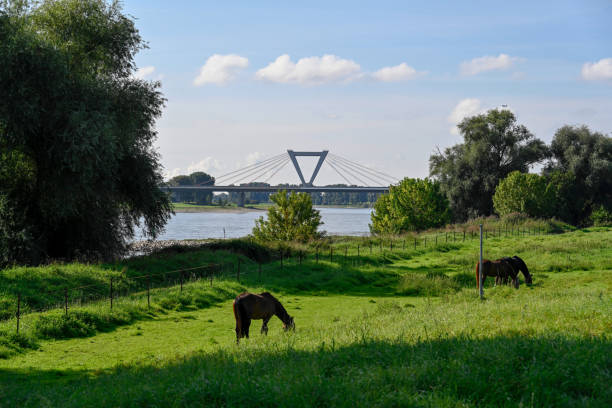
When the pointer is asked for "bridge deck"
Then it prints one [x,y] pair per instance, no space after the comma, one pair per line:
[274,189]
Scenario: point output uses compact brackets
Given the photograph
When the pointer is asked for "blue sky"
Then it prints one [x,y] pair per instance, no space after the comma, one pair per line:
[397,77]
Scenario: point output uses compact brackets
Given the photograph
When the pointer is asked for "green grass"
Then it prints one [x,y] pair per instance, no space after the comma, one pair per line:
[401,328]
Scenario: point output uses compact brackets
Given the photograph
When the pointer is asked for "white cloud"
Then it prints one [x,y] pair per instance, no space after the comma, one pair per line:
[487,63]
[220,69]
[146,73]
[253,158]
[600,70]
[311,70]
[466,107]
[208,165]
[401,72]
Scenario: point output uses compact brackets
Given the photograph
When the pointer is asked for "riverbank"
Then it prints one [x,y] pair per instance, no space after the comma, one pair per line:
[192,208]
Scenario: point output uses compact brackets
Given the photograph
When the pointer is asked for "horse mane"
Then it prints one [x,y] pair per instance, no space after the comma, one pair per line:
[280,310]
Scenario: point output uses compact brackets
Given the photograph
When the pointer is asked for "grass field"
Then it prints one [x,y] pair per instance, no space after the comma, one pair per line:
[401,328]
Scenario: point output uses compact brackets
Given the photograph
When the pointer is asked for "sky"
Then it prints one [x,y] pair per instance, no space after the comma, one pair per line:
[380,83]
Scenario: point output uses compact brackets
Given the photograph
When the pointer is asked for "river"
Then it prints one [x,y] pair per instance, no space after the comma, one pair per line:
[336,221]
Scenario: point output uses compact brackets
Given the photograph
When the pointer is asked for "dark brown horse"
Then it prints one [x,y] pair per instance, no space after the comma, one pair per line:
[248,306]
[500,269]
[520,265]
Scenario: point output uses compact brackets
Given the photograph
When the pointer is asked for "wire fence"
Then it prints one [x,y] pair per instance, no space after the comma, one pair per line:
[142,286]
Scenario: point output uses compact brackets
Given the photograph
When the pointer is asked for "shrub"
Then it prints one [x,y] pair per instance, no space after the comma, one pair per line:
[601,217]
[291,218]
[412,205]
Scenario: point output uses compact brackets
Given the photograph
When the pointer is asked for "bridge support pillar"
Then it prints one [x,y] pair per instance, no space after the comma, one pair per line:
[241,199]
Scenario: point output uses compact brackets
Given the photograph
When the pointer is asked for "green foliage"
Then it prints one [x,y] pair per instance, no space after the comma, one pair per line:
[194,179]
[413,204]
[601,217]
[523,193]
[291,218]
[494,146]
[78,169]
[588,156]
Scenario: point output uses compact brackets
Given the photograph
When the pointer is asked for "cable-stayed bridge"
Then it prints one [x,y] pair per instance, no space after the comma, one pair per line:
[359,178]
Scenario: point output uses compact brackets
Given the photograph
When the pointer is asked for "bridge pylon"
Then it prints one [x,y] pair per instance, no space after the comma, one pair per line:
[293,154]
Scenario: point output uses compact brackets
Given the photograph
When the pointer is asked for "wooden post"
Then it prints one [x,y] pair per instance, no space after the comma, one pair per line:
[480,290]
[425,242]
[415,244]
[18,310]
[149,291]
[212,274]
[370,247]
[381,245]
[317,254]
[391,244]
[111,293]
[181,278]
[345,252]
[66,301]
[436,239]
[259,267]
[463,235]
[238,270]
[357,249]
[454,236]
[404,245]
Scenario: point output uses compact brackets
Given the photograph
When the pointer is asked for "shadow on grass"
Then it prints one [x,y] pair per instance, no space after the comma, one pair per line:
[507,370]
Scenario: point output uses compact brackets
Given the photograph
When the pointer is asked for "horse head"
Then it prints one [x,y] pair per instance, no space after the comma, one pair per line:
[290,324]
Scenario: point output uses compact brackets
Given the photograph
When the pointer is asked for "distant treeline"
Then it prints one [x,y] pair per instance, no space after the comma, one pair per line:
[207,198]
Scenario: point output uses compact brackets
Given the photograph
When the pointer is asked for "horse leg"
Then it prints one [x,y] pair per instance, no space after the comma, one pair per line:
[264,326]
[245,329]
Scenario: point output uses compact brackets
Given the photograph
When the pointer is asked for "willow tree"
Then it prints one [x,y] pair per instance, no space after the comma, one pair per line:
[78,170]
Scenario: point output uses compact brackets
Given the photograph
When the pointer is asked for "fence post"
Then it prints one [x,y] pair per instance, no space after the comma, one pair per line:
[238,271]
[454,236]
[212,274]
[148,291]
[345,253]
[300,257]
[317,254]
[404,245]
[480,290]
[66,300]
[18,310]
[370,247]
[436,239]
[331,254]
[357,249]
[181,277]
[415,244]
[391,244]
[111,293]
[259,268]
[381,245]
[446,236]
[463,235]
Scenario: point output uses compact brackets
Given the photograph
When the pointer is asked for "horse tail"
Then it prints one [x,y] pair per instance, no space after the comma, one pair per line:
[236,307]
[477,275]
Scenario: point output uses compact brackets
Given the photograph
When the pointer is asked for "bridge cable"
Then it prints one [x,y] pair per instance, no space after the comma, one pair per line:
[247,170]
[366,173]
[277,170]
[248,174]
[388,176]
[349,171]
[375,180]
[250,167]
[336,170]
[270,169]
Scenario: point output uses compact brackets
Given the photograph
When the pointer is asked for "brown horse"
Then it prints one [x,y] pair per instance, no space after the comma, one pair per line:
[248,306]
[500,269]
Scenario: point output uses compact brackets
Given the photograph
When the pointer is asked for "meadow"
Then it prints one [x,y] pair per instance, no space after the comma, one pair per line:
[401,327]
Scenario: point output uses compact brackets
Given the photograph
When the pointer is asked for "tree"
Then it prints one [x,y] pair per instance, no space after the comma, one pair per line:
[494,146]
[194,179]
[291,218]
[77,132]
[412,205]
[587,156]
[524,193]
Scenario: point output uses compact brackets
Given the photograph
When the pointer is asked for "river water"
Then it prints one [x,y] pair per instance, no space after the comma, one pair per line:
[336,221]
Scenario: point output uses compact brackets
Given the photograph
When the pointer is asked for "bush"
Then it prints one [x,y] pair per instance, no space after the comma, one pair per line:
[601,217]
[412,205]
[291,218]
